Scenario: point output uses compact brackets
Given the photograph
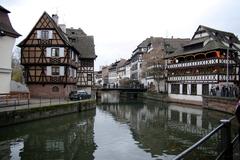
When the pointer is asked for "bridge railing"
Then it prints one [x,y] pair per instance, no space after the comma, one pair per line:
[224,140]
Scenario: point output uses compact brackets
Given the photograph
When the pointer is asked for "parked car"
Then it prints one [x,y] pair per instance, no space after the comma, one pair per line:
[79,95]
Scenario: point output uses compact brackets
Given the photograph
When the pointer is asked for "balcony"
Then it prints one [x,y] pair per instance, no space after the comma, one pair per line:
[201,63]
[204,78]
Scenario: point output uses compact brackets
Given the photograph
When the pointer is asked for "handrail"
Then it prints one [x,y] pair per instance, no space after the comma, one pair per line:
[201,141]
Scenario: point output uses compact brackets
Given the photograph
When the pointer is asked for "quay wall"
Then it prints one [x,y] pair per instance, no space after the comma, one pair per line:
[223,104]
[25,115]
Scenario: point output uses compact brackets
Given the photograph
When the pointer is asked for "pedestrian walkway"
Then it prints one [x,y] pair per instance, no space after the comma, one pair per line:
[32,103]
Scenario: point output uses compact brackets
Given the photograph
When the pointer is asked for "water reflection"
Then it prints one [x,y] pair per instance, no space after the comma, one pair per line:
[66,137]
[110,97]
[164,130]
[131,130]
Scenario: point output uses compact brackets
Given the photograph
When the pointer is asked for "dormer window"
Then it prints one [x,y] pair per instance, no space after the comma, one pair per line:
[149,47]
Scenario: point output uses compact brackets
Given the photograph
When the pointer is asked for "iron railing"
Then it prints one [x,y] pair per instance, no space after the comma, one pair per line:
[229,148]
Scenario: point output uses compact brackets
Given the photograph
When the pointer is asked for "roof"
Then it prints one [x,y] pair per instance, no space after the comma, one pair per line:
[58,29]
[5,24]
[4,9]
[213,40]
[84,44]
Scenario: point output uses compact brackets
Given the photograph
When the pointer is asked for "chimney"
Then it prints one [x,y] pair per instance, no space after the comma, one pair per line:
[63,27]
[55,18]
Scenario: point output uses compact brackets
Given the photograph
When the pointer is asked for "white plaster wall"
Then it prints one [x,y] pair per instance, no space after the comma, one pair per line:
[5,79]
[188,88]
[169,88]
[199,89]
[6,46]
[181,87]
[186,97]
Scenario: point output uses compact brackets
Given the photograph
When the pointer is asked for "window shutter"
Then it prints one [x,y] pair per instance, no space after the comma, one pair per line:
[61,70]
[50,34]
[49,70]
[48,52]
[38,34]
[61,52]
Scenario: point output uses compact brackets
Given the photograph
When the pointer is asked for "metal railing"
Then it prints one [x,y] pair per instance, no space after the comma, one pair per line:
[12,104]
[229,148]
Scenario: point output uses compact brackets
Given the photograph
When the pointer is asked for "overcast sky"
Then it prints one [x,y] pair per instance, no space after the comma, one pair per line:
[118,26]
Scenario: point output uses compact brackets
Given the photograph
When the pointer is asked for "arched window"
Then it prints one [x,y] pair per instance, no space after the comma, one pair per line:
[55,89]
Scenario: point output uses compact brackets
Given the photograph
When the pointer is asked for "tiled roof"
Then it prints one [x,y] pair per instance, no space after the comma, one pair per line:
[84,44]
[214,40]
[5,24]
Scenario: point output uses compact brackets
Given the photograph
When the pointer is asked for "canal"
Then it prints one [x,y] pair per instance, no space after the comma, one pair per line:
[119,129]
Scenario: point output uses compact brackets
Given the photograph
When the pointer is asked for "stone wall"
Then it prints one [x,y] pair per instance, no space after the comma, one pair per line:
[224,104]
[20,116]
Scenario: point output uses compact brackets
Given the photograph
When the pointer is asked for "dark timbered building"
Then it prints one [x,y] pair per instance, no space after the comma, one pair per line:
[84,44]
[51,62]
[208,64]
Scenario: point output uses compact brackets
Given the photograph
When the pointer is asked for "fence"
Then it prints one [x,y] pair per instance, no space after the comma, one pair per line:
[224,140]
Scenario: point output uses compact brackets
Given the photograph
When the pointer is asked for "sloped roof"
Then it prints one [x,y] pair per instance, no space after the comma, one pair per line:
[83,43]
[213,41]
[58,29]
[5,24]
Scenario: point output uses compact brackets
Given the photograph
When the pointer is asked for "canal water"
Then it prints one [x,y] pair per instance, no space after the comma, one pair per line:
[119,129]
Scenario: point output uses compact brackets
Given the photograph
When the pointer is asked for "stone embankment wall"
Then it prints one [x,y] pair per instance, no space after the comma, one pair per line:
[224,104]
[19,116]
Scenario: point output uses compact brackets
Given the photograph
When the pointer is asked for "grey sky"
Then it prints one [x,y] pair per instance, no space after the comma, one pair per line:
[118,26]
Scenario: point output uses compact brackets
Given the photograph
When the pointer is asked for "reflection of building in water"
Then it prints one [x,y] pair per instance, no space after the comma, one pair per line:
[192,116]
[161,129]
[110,97]
[66,137]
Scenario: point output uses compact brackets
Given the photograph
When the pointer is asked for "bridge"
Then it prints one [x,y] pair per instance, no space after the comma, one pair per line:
[124,89]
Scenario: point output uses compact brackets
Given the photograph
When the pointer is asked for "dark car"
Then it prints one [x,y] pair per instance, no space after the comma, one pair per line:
[79,95]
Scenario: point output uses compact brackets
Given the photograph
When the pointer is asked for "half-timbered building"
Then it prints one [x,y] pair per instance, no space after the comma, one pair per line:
[50,60]
[209,63]
[84,44]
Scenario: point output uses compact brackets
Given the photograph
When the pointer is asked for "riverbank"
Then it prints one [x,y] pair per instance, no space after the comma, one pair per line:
[223,104]
[31,112]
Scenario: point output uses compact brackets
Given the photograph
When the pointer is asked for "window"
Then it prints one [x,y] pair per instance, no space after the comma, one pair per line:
[175,88]
[55,70]
[55,52]
[89,77]
[205,89]
[184,89]
[44,34]
[55,89]
[193,89]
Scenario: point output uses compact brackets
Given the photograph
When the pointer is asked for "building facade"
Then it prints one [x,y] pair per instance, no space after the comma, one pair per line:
[7,40]
[154,65]
[51,61]
[207,65]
